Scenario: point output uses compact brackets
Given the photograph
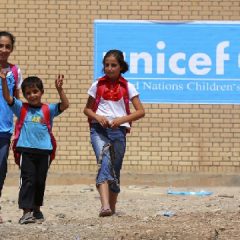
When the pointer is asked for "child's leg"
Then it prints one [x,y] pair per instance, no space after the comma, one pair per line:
[103,190]
[4,150]
[99,140]
[27,188]
[27,182]
[41,175]
[119,147]
[42,167]
[113,200]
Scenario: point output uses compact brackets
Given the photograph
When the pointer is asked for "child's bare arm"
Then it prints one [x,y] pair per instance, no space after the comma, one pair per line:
[8,98]
[64,104]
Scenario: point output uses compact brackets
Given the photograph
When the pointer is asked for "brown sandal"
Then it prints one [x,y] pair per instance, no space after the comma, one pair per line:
[105,212]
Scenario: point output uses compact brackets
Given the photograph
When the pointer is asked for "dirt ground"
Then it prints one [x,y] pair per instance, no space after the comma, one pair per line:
[145,210]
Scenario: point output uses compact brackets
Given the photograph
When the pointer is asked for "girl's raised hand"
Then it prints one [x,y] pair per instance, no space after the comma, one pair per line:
[59,82]
[3,74]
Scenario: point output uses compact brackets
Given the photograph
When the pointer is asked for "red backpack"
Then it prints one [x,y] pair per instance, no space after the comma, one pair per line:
[101,87]
[19,124]
[100,90]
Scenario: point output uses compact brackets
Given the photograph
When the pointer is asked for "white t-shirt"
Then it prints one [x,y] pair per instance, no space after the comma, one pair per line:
[113,109]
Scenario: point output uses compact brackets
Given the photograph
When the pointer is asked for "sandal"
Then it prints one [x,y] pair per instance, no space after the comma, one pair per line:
[105,212]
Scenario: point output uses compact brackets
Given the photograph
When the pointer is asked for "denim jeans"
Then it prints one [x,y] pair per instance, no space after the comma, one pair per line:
[117,138]
[4,150]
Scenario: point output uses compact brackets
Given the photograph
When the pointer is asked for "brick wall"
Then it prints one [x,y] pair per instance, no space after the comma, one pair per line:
[56,36]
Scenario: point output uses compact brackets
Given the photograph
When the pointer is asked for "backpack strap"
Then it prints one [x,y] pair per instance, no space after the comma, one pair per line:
[21,119]
[17,131]
[100,90]
[125,94]
[46,115]
[14,70]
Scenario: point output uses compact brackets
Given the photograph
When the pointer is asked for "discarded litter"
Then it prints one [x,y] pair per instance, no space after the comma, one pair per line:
[168,214]
[192,193]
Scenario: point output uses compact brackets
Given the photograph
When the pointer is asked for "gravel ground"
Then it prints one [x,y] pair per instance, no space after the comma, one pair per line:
[145,210]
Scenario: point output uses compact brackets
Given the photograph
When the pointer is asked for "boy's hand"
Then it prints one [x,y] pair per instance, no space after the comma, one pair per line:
[64,104]
[59,82]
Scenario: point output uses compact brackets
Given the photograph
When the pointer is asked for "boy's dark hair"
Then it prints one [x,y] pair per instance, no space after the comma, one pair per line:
[9,35]
[32,81]
[119,57]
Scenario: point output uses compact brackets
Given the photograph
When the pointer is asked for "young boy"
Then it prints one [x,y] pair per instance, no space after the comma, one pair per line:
[34,143]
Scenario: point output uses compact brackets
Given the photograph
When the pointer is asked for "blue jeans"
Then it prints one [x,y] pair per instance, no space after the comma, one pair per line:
[4,151]
[117,138]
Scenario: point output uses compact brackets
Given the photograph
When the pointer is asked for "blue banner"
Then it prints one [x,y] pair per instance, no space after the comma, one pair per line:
[182,62]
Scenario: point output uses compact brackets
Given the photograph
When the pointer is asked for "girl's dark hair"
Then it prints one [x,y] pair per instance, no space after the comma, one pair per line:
[119,57]
[32,81]
[9,35]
